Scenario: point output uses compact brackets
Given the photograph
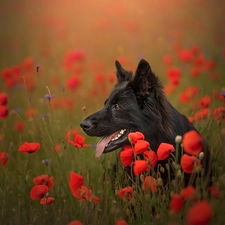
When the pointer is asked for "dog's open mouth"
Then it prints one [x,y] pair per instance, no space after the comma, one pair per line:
[112,142]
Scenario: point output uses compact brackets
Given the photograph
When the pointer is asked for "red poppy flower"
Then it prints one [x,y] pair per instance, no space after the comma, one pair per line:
[185,55]
[192,142]
[75,181]
[126,193]
[3,112]
[44,179]
[71,134]
[140,166]
[214,192]
[78,141]
[188,192]
[205,102]
[28,63]
[57,148]
[3,158]
[3,98]
[152,157]
[135,136]
[126,155]
[29,147]
[73,82]
[164,150]
[174,74]
[184,97]
[150,184]
[75,222]
[167,60]
[176,203]
[121,222]
[202,114]
[38,191]
[30,113]
[195,71]
[189,163]
[199,214]
[19,125]
[219,114]
[47,201]
[83,193]
[141,146]
[210,64]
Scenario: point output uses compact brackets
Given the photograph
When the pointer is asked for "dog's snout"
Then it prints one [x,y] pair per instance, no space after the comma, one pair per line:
[86,125]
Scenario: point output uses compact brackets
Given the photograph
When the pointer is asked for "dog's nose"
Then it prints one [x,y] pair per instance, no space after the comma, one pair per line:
[86,125]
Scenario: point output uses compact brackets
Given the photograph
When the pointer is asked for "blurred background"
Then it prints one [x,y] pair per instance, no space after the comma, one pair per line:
[75,44]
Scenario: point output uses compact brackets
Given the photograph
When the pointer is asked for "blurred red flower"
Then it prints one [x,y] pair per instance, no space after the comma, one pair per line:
[164,150]
[29,147]
[215,192]
[152,157]
[126,193]
[185,55]
[3,158]
[140,166]
[167,60]
[189,163]
[201,114]
[46,201]
[28,64]
[78,141]
[192,142]
[135,136]
[73,82]
[57,148]
[210,64]
[141,146]
[19,125]
[126,155]
[195,71]
[121,222]
[199,214]
[70,134]
[3,112]
[188,192]
[150,184]
[174,74]
[176,203]
[219,114]
[205,102]
[75,181]
[30,112]
[3,98]
[38,191]
[44,179]
[75,222]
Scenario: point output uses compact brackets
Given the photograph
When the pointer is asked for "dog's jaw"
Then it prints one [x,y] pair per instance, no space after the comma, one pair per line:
[112,142]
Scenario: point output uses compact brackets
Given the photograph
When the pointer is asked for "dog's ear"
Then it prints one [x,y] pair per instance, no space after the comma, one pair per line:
[122,74]
[145,81]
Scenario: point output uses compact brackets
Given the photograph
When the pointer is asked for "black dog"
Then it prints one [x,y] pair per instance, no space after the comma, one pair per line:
[138,103]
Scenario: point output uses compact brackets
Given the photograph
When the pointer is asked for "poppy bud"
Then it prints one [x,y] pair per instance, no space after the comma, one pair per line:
[178,139]
[201,155]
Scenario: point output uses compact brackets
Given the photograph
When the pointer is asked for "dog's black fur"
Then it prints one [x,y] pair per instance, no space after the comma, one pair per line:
[138,103]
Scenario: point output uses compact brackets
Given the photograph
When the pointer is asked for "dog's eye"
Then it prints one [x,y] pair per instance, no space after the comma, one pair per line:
[116,106]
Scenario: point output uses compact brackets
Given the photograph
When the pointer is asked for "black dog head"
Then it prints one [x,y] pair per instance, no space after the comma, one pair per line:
[137,103]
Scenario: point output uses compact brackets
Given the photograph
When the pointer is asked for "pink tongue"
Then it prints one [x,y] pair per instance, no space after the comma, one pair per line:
[102,143]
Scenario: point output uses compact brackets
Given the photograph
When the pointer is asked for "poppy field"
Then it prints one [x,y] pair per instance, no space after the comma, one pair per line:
[58,66]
